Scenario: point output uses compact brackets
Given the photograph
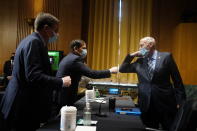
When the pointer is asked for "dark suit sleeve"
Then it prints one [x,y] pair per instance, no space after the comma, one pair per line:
[6,68]
[177,81]
[86,71]
[127,66]
[34,66]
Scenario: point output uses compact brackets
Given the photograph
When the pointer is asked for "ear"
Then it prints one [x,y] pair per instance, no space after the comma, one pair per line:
[75,48]
[151,44]
[46,27]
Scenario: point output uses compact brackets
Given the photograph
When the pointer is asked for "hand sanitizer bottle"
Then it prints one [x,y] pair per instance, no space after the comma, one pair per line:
[87,115]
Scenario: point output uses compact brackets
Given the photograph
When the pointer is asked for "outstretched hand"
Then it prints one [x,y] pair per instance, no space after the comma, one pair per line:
[113,69]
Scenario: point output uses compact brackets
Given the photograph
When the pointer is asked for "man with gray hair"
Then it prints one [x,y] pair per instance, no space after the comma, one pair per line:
[158,98]
[27,100]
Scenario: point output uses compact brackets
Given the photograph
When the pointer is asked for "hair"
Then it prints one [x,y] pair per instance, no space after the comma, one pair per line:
[76,44]
[43,19]
[149,40]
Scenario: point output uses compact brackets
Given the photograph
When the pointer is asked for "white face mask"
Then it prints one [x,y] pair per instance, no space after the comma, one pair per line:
[144,52]
[84,53]
[53,38]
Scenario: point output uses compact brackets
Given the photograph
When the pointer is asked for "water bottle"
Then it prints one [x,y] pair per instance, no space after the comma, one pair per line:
[87,115]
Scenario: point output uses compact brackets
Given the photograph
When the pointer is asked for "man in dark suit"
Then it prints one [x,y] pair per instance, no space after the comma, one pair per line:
[73,65]
[158,97]
[27,99]
[7,70]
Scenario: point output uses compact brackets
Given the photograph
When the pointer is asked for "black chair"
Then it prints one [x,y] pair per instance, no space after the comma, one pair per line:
[186,118]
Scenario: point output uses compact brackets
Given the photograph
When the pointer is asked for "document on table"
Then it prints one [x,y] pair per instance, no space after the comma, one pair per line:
[100,100]
[85,128]
[80,122]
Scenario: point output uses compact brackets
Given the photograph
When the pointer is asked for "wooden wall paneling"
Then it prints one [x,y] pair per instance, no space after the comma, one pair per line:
[38,6]
[169,18]
[8,26]
[185,51]
[174,37]
[70,23]
[52,6]
[14,27]
[25,11]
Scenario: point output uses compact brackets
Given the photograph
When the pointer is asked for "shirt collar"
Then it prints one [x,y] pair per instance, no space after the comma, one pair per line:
[154,56]
[41,38]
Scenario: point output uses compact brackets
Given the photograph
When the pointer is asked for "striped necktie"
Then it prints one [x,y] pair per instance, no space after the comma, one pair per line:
[150,67]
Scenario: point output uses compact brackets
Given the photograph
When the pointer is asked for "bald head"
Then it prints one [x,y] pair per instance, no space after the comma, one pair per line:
[148,43]
[148,40]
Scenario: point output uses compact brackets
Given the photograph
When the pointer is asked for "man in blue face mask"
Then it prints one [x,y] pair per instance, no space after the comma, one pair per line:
[27,100]
[53,38]
[73,65]
[160,88]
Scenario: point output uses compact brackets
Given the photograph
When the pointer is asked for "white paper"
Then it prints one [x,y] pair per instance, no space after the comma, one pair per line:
[101,101]
[80,121]
[85,128]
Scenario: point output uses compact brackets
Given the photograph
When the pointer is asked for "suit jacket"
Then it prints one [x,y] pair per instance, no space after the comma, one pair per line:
[159,88]
[7,70]
[74,66]
[29,91]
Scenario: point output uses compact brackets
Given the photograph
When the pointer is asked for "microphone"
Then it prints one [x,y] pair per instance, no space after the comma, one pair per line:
[101,114]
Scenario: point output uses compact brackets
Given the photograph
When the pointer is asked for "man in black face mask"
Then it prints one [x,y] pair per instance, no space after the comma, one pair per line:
[73,65]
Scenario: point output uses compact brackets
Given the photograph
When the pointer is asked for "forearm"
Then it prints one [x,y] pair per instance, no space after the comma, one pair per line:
[37,78]
[124,67]
[98,74]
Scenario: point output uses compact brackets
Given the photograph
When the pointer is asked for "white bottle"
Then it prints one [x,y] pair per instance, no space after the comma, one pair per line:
[94,95]
[87,115]
[68,118]
[89,96]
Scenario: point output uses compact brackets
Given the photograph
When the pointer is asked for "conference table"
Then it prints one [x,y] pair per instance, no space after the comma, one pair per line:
[107,120]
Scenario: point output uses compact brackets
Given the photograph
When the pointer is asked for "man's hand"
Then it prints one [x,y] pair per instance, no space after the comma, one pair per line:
[9,77]
[113,69]
[66,81]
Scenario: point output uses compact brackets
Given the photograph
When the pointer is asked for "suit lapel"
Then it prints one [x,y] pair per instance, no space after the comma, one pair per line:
[145,66]
[157,64]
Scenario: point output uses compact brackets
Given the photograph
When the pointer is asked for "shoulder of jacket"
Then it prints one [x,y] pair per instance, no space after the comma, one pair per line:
[165,53]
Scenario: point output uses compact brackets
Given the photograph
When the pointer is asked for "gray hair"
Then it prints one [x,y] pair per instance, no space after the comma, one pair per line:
[148,40]
[43,19]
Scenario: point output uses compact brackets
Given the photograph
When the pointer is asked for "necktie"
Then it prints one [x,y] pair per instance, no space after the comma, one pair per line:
[150,67]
